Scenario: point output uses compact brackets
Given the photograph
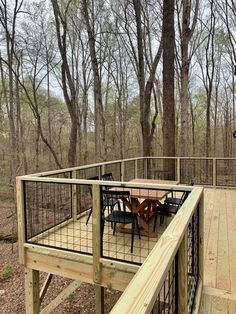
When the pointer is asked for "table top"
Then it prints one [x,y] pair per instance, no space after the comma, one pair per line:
[150,193]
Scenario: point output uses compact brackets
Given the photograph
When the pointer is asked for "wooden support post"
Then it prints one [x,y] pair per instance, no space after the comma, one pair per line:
[145,160]
[74,197]
[97,249]
[99,294]
[103,169]
[178,170]
[182,277]
[20,219]
[122,171]
[214,172]
[32,300]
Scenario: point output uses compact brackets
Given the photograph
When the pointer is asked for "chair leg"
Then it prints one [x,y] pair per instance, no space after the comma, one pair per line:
[155,222]
[138,228]
[132,237]
[90,213]
[114,228]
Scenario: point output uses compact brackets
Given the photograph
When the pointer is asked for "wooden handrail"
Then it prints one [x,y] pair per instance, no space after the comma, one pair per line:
[140,295]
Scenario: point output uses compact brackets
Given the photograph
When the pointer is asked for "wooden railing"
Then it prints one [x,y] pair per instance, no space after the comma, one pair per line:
[145,291]
[168,261]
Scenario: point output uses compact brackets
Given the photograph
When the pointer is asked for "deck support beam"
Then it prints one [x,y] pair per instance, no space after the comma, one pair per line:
[45,287]
[32,300]
[61,297]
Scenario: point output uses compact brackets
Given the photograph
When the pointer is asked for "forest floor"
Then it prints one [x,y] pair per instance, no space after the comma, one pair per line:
[12,278]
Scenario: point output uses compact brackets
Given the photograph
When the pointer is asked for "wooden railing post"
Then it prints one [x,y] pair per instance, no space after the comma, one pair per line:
[122,171]
[74,197]
[21,219]
[97,238]
[136,168]
[182,277]
[178,169]
[214,172]
[145,160]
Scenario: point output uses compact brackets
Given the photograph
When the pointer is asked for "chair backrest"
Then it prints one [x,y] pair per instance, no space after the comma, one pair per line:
[116,195]
[107,176]
[183,199]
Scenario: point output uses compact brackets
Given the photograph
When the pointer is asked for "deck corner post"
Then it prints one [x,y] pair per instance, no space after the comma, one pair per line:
[74,197]
[32,294]
[182,277]
[21,218]
[97,243]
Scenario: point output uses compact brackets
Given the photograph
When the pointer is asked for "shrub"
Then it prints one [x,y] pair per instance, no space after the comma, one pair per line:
[6,271]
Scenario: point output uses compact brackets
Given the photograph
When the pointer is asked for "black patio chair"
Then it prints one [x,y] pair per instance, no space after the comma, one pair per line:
[109,201]
[175,200]
[168,209]
[91,196]
[120,215]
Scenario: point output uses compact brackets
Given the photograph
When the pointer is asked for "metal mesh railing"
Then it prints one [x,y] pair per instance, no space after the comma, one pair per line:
[115,169]
[193,258]
[129,170]
[88,172]
[197,171]
[54,218]
[167,300]
[226,172]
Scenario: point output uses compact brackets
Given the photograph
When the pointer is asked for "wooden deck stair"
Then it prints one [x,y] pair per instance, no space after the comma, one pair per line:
[219,291]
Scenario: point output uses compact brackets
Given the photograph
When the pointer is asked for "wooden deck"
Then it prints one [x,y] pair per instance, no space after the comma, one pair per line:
[77,236]
[219,291]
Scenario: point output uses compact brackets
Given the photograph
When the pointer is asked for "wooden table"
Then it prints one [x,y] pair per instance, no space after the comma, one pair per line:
[142,202]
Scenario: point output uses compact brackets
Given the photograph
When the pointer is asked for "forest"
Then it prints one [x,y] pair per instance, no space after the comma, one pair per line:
[87,81]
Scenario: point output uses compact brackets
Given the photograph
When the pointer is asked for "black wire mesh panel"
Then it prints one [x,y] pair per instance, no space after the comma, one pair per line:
[46,205]
[129,170]
[88,172]
[226,172]
[115,169]
[116,244]
[51,217]
[140,168]
[193,257]
[161,169]
[166,301]
[198,171]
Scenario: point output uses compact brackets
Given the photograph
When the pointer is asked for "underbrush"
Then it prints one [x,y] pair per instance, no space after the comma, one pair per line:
[6,271]
[6,191]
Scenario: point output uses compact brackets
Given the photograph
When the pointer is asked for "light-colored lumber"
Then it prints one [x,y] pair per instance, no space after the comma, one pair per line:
[182,276]
[99,297]
[45,286]
[20,219]
[61,297]
[141,293]
[32,300]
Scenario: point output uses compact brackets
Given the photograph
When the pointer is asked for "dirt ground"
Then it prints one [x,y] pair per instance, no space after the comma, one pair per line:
[12,288]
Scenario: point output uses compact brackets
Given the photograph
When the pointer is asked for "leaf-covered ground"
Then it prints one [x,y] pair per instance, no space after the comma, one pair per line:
[12,287]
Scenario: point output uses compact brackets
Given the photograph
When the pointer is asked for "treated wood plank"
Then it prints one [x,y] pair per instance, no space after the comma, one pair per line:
[210,267]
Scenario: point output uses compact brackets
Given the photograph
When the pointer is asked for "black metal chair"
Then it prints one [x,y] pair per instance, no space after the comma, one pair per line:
[107,176]
[163,174]
[175,200]
[120,215]
[91,196]
[168,209]
[109,201]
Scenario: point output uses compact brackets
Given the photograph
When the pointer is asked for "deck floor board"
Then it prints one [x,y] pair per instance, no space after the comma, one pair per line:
[219,291]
